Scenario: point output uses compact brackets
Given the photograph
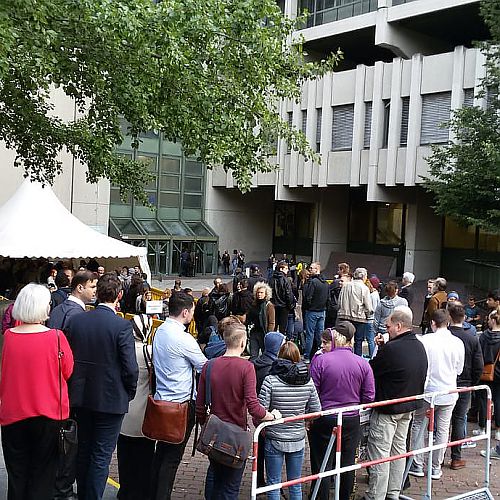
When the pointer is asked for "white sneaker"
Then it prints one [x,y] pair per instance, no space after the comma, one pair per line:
[469,444]
[436,473]
[478,432]
[497,434]
[493,453]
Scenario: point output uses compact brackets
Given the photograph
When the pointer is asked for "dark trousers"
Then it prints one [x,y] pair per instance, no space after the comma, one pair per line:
[261,479]
[458,419]
[30,449]
[97,437]
[256,343]
[166,460]
[281,314]
[319,436]
[135,456]
[66,474]
[223,482]
[495,396]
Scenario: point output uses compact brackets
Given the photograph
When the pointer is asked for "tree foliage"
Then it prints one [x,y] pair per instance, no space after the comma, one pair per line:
[465,175]
[208,73]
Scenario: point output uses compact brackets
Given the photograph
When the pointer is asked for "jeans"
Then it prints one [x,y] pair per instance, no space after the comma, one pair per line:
[223,482]
[166,461]
[459,422]
[97,437]
[314,324]
[274,464]
[319,436]
[364,331]
[387,438]
[30,453]
[442,419]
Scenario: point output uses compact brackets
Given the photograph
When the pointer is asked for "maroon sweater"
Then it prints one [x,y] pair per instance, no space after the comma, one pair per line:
[233,391]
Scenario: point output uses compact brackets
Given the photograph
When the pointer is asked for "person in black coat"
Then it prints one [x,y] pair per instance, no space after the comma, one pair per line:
[400,369]
[104,381]
[473,368]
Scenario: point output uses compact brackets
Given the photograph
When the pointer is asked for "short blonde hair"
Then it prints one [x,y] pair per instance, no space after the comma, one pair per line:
[234,334]
[261,285]
[32,304]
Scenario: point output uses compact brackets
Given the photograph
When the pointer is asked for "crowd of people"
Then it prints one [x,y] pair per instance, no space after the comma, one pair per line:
[276,347]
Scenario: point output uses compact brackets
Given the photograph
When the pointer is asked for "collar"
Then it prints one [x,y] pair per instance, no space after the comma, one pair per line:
[76,300]
[402,335]
[175,322]
[110,307]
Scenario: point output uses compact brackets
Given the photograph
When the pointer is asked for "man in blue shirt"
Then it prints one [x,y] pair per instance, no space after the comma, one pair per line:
[175,355]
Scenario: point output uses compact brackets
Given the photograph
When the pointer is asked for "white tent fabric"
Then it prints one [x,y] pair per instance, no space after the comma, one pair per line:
[34,223]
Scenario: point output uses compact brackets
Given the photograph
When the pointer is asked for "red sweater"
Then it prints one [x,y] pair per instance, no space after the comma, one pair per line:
[233,388]
[30,376]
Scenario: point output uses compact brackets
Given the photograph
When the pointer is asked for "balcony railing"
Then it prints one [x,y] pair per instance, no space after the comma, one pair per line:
[328,11]
[400,2]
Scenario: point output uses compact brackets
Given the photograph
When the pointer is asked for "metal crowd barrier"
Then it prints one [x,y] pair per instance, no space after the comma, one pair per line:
[337,439]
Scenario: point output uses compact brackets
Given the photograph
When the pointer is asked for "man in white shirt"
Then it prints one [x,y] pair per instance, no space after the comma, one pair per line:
[445,355]
[175,355]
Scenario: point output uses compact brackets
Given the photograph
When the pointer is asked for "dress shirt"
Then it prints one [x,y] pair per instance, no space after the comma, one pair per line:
[175,354]
[78,301]
[445,356]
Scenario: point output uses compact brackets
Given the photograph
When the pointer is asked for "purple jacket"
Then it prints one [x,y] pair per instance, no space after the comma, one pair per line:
[342,379]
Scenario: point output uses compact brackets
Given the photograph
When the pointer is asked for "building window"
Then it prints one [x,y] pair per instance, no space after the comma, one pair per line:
[319,116]
[342,126]
[304,122]
[405,113]
[468,98]
[368,125]
[436,110]
[321,12]
[387,113]
[290,123]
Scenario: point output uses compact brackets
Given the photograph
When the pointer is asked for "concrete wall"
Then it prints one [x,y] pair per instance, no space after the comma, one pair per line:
[88,202]
[242,221]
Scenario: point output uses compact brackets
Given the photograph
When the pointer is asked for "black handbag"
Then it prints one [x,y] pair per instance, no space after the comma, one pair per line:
[68,431]
[223,442]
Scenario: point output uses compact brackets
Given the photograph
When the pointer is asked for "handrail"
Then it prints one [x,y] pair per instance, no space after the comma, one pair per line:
[337,434]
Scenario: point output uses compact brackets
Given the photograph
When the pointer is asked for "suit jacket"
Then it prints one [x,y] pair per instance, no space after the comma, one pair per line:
[105,374]
[60,315]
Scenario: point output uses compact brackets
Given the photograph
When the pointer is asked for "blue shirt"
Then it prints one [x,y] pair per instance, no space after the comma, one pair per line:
[175,354]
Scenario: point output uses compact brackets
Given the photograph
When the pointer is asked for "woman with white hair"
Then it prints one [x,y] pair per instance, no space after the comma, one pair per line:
[36,363]
[406,290]
[260,318]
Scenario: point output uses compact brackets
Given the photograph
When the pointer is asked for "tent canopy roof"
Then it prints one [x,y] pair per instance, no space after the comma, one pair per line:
[34,223]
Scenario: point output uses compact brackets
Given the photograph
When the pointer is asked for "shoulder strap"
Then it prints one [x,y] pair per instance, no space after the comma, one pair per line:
[59,356]
[208,393]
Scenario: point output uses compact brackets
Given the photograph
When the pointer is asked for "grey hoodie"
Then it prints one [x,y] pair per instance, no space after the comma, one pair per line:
[384,310]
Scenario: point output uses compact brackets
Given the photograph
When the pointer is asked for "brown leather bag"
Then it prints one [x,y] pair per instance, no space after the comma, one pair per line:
[488,374]
[165,421]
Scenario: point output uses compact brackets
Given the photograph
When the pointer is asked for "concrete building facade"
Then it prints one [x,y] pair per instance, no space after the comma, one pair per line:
[407,64]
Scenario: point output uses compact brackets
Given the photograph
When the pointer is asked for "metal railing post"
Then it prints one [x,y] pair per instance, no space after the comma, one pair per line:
[430,442]
[338,455]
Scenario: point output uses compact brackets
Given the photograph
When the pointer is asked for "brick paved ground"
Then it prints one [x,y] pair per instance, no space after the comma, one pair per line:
[191,476]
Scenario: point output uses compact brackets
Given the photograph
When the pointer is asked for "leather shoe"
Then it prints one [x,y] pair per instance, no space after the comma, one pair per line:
[457,464]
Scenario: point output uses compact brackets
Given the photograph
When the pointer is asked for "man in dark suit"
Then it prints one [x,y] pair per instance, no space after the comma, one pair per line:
[83,288]
[104,381]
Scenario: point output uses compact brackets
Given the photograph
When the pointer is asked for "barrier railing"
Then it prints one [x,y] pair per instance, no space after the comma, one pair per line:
[337,437]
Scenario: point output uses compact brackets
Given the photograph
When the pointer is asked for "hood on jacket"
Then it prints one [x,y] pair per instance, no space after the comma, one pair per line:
[290,373]
[272,343]
[490,337]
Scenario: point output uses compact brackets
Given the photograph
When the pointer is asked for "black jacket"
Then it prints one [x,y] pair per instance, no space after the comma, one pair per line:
[242,301]
[473,363]
[262,366]
[315,293]
[400,369]
[282,291]
[490,345]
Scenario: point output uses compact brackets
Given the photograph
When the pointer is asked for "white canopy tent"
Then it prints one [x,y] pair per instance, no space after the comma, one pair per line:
[34,223]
